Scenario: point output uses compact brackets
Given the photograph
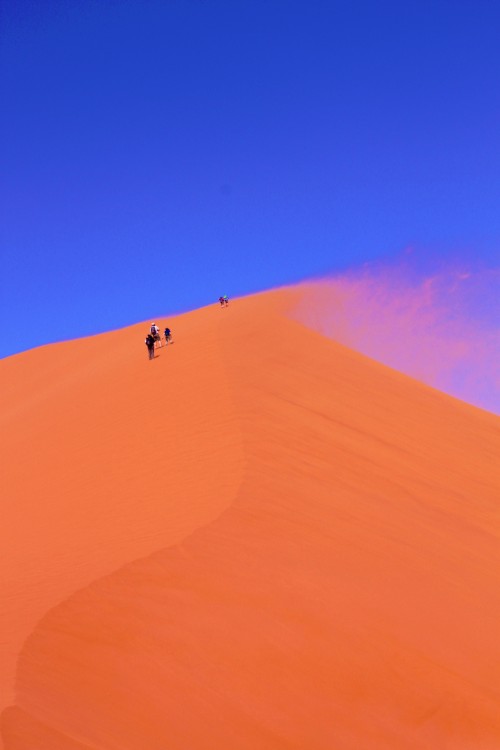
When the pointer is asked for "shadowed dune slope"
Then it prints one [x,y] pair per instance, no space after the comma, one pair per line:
[259,540]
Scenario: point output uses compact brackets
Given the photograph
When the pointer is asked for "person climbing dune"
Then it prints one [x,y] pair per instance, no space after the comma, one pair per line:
[155,333]
[150,343]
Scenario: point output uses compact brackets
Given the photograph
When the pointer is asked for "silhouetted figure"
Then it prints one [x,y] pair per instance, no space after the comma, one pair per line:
[168,335]
[150,343]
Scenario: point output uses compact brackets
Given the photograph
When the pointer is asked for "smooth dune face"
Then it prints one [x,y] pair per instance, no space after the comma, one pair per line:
[261,539]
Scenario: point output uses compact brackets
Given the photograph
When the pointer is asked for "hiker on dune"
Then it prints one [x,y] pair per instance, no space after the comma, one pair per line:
[155,332]
[150,343]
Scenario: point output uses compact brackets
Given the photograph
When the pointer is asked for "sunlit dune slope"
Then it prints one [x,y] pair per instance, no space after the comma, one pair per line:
[261,539]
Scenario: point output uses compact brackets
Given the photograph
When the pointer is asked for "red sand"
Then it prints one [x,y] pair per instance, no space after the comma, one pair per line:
[259,540]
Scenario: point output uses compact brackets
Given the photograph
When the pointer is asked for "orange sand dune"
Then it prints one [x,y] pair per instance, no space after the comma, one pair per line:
[259,540]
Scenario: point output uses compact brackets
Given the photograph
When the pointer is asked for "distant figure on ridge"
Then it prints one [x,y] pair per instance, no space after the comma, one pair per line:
[224,301]
[150,343]
[155,332]
[168,335]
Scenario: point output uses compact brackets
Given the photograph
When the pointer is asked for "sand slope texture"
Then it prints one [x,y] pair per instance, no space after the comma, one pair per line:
[260,539]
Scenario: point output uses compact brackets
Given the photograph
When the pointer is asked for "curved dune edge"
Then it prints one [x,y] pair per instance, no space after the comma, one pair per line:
[345,596]
[98,449]
[20,729]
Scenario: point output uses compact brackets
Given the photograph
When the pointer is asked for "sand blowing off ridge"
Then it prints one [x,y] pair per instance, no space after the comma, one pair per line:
[260,539]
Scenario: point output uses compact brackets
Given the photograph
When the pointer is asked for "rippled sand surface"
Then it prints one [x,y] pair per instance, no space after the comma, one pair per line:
[260,539]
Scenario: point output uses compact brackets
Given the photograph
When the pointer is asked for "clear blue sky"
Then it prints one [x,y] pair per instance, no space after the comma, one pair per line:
[158,153]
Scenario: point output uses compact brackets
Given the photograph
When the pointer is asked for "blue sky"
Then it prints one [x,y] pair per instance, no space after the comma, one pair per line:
[157,154]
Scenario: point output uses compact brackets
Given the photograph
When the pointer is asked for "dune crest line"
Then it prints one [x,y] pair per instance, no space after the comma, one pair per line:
[325,558]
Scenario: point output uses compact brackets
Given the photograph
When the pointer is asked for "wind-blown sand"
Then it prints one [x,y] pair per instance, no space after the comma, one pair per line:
[262,539]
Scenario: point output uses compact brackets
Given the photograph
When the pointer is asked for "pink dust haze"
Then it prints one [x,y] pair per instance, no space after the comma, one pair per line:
[441,328]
